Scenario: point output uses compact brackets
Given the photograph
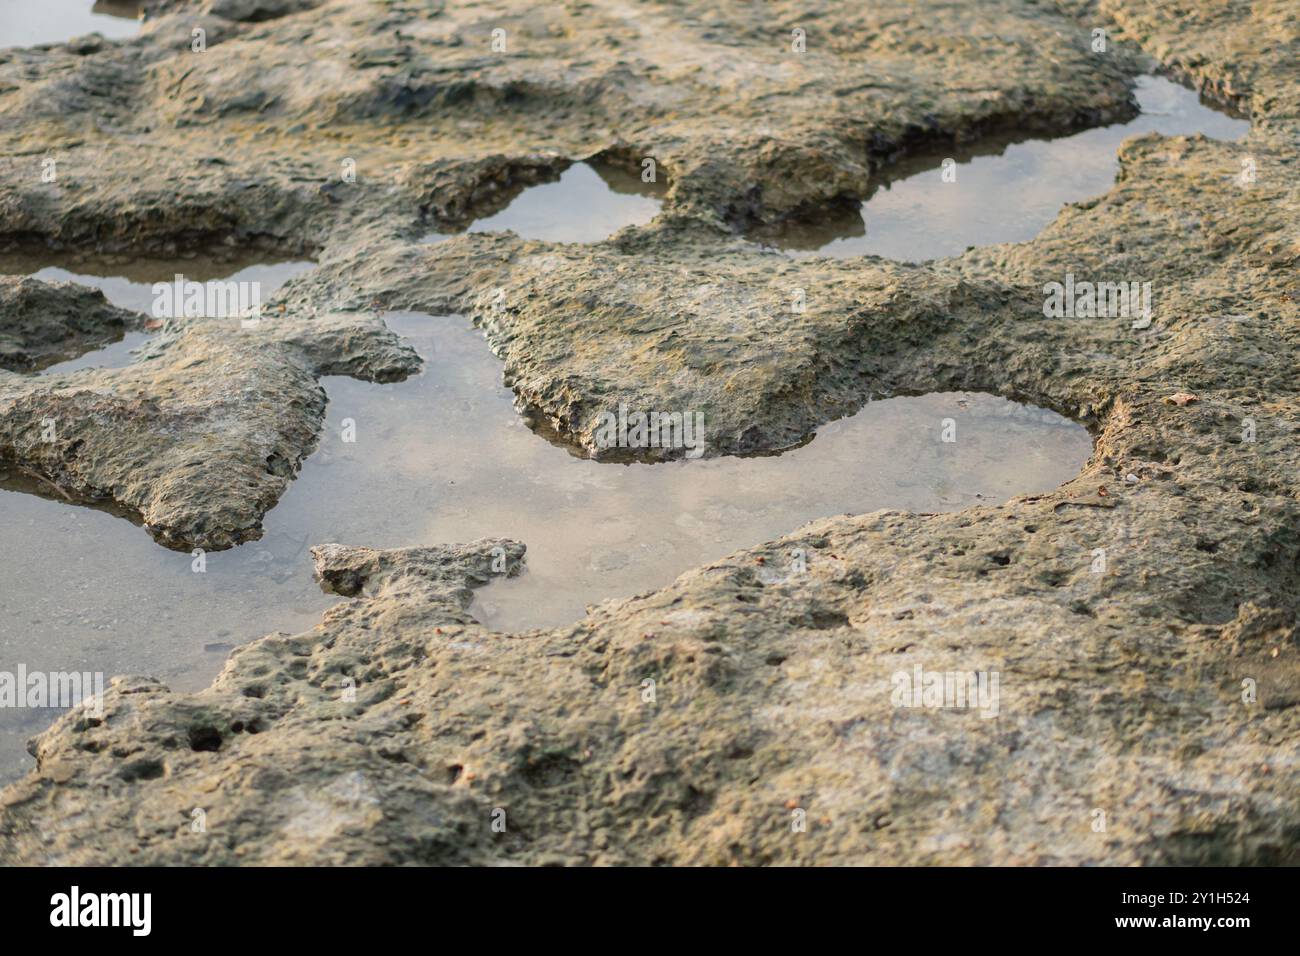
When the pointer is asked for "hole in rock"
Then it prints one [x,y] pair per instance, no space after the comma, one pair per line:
[445,457]
[33,22]
[1005,189]
[589,202]
[205,738]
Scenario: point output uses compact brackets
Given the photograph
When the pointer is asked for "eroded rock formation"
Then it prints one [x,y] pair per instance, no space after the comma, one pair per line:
[690,724]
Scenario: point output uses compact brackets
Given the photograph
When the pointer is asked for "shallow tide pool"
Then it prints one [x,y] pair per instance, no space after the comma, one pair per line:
[997,190]
[130,286]
[32,22]
[587,203]
[444,457]
[1001,191]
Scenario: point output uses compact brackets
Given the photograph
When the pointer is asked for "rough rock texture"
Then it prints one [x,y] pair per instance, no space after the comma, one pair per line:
[745,128]
[1141,619]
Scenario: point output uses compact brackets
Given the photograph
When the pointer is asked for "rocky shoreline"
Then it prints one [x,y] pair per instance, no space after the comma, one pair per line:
[687,725]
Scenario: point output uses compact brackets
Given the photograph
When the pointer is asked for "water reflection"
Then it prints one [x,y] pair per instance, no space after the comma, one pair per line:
[33,22]
[1003,191]
[587,203]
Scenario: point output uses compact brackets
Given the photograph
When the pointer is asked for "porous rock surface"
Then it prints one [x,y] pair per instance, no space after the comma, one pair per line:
[1147,709]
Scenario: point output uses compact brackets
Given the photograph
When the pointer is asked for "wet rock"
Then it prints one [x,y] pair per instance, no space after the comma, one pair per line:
[450,570]
[42,323]
[91,43]
[257,11]
[201,435]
